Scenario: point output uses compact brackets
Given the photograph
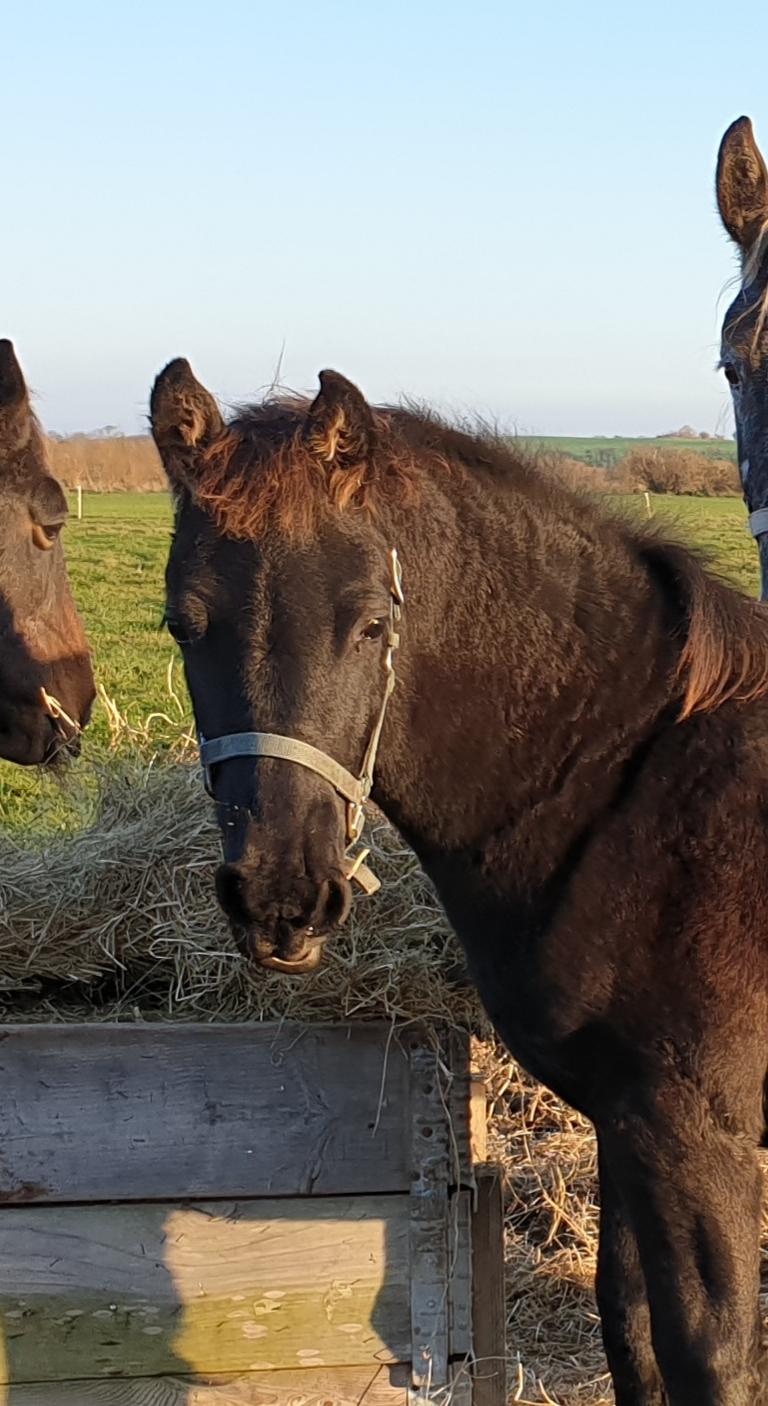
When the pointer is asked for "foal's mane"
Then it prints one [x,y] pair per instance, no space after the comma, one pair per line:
[264,470]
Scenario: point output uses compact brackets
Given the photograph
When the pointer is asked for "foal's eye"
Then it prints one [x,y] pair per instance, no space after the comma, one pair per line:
[731,375]
[177,630]
[373,630]
[45,534]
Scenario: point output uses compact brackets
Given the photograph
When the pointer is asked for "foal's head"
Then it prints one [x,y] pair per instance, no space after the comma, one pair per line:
[43,650]
[742,196]
[280,594]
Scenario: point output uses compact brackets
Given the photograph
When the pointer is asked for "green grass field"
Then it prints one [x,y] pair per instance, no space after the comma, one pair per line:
[603,452]
[116,560]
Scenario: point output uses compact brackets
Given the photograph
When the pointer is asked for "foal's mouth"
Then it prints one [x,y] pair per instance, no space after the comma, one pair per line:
[65,735]
[309,961]
[285,932]
[305,956]
[61,748]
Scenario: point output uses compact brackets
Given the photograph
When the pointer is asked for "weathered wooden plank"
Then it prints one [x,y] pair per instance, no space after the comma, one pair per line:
[181,1111]
[146,1290]
[344,1386]
[429,1212]
[488,1306]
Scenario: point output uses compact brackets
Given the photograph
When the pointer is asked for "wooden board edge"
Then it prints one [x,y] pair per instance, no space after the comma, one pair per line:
[478,1119]
[340,1386]
[488,1300]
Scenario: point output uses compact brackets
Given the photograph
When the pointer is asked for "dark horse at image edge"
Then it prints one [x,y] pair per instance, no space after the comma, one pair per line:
[576,749]
[742,198]
[46,680]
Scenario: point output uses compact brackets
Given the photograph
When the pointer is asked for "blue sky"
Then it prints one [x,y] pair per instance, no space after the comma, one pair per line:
[487,205]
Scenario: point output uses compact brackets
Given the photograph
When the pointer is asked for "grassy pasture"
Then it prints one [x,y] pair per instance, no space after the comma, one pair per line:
[603,452]
[116,560]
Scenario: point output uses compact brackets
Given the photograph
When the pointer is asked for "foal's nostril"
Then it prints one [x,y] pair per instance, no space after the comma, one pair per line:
[337,903]
[230,891]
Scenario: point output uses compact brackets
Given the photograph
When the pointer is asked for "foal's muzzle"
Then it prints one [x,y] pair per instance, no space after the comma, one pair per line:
[285,932]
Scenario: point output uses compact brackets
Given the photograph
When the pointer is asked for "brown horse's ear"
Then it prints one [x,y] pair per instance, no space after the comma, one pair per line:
[16,417]
[340,426]
[183,415]
[742,185]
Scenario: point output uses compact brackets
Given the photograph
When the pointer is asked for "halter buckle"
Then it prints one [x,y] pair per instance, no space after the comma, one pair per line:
[355,822]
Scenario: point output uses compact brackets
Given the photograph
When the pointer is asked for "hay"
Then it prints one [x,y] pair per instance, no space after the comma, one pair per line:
[118,921]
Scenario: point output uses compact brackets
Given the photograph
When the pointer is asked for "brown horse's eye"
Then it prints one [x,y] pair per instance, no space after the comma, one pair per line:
[177,630]
[373,630]
[731,375]
[45,534]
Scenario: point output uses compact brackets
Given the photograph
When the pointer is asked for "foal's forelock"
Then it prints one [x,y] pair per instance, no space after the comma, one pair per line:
[265,471]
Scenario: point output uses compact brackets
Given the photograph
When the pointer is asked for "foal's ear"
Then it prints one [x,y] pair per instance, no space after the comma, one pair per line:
[742,185]
[15,411]
[340,427]
[183,415]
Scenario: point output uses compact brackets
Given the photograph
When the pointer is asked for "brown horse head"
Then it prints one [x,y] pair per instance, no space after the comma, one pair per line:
[742,197]
[46,682]
[282,606]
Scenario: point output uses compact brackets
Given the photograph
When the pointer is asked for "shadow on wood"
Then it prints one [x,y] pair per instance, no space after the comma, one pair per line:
[194,1216]
[205,1291]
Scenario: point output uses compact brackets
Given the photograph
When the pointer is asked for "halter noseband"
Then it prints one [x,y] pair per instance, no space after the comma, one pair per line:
[758,522]
[355,790]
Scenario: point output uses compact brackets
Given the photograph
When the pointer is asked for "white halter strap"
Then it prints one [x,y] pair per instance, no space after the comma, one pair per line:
[758,522]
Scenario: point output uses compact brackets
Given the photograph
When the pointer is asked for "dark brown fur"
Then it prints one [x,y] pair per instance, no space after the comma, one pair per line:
[42,643]
[268,471]
[577,750]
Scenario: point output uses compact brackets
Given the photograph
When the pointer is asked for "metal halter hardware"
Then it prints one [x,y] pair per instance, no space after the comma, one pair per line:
[355,790]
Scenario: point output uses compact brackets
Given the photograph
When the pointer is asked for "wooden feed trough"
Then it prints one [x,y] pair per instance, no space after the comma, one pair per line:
[245,1216]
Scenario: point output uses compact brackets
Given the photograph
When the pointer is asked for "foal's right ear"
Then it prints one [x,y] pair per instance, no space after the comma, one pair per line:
[15,411]
[742,185]
[340,425]
[183,415]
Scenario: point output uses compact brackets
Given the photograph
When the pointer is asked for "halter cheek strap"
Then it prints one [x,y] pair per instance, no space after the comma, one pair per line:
[355,790]
[758,522]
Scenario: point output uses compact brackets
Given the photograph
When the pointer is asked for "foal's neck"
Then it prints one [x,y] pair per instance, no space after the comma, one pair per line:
[537,658]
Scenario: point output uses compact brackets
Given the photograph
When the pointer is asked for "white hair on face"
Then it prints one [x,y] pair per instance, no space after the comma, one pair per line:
[753,263]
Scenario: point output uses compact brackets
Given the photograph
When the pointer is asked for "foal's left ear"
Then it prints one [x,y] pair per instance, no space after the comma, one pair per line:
[183,415]
[340,425]
[742,185]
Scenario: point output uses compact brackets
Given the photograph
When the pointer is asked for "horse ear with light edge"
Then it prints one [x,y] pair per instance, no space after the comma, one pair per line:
[742,185]
[340,425]
[183,414]
[15,411]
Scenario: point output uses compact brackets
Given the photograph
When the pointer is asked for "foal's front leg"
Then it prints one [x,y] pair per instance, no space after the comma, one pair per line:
[693,1193]
[623,1302]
